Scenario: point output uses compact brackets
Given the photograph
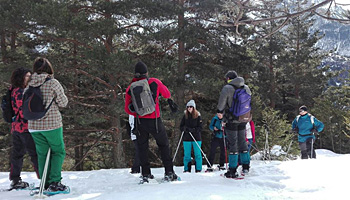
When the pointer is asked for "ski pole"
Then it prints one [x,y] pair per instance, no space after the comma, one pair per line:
[43,178]
[290,144]
[178,145]
[223,136]
[312,145]
[200,149]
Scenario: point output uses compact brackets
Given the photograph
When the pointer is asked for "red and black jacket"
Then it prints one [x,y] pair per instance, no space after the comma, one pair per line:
[157,88]
[19,125]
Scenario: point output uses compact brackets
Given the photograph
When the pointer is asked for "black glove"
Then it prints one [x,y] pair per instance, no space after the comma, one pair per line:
[314,131]
[295,130]
[174,108]
[188,129]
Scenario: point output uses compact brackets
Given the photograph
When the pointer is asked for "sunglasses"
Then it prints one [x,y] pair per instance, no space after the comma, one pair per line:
[189,106]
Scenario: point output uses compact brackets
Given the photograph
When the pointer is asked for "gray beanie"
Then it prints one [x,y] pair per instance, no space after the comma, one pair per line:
[191,103]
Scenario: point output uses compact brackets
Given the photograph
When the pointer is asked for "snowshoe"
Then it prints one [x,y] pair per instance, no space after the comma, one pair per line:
[18,184]
[145,179]
[170,176]
[209,169]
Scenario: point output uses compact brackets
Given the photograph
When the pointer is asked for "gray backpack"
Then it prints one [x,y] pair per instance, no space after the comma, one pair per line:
[142,99]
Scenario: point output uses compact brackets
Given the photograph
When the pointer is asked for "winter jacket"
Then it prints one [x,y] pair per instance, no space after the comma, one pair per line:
[191,125]
[51,90]
[226,97]
[305,127]
[252,129]
[19,125]
[157,88]
[216,122]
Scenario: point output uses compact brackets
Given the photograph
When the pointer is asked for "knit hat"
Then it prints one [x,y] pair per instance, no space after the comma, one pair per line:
[303,108]
[231,74]
[191,103]
[140,68]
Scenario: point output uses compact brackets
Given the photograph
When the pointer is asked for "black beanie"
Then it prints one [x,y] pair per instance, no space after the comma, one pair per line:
[140,68]
[231,74]
[303,108]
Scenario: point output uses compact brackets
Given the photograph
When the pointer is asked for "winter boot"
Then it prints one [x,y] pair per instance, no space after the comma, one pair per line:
[19,184]
[144,178]
[198,171]
[221,167]
[231,173]
[170,176]
[189,166]
[245,169]
[56,186]
[209,169]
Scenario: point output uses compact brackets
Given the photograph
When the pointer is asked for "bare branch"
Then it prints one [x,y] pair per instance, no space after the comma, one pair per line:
[346,21]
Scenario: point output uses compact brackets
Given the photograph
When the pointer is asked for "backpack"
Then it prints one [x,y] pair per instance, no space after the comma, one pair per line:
[142,98]
[312,118]
[240,107]
[6,106]
[33,104]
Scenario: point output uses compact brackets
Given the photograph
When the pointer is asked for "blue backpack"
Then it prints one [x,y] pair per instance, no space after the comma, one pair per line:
[240,108]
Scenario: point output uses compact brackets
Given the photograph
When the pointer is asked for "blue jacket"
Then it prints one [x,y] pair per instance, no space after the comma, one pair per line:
[305,126]
[216,122]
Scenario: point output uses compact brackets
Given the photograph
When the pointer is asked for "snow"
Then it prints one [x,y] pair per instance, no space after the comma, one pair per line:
[321,178]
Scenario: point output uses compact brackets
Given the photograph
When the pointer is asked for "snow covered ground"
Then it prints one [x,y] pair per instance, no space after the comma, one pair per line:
[323,178]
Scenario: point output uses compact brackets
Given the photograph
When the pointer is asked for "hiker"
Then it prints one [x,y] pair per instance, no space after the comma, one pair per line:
[135,169]
[149,123]
[250,134]
[191,125]
[306,125]
[216,141]
[21,138]
[47,132]
[234,129]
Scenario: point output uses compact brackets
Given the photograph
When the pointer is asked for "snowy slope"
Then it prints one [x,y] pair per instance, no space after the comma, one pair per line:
[323,178]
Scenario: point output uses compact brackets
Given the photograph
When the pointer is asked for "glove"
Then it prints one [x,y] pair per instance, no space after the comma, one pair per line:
[188,129]
[295,130]
[174,108]
[314,131]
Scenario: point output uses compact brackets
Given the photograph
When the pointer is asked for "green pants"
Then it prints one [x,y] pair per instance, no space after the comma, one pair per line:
[43,141]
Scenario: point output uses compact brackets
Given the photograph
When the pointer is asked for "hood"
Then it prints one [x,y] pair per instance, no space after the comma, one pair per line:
[238,82]
[38,79]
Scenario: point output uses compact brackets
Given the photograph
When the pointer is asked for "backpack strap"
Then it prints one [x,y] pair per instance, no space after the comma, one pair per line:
[47,79]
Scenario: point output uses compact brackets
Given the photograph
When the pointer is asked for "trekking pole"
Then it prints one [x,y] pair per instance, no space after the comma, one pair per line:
[267,149]
[178,145]
[223,136]
[312,145]
[290,144]
[43,178]
[200,149]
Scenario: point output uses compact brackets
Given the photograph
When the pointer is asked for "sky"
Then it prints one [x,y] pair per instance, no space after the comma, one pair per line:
[323,178]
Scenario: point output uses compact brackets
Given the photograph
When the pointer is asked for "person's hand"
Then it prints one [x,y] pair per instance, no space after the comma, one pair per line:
[173,106]
[314,131]
[248,142]
[295,130]
[216,129]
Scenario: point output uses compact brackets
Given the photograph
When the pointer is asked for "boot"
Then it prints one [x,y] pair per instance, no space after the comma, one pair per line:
[56,186]
[170,176]
[231,173]
[19,184]
[146,177]
[245,169]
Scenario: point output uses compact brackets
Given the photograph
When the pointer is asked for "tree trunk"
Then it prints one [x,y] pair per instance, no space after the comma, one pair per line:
[3,47]
[118,149]
[179,90]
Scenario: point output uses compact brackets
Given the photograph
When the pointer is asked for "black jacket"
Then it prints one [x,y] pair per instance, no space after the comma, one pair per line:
[191,125]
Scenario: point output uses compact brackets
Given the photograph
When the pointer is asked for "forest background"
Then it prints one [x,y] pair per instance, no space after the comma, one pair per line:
[189,45]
